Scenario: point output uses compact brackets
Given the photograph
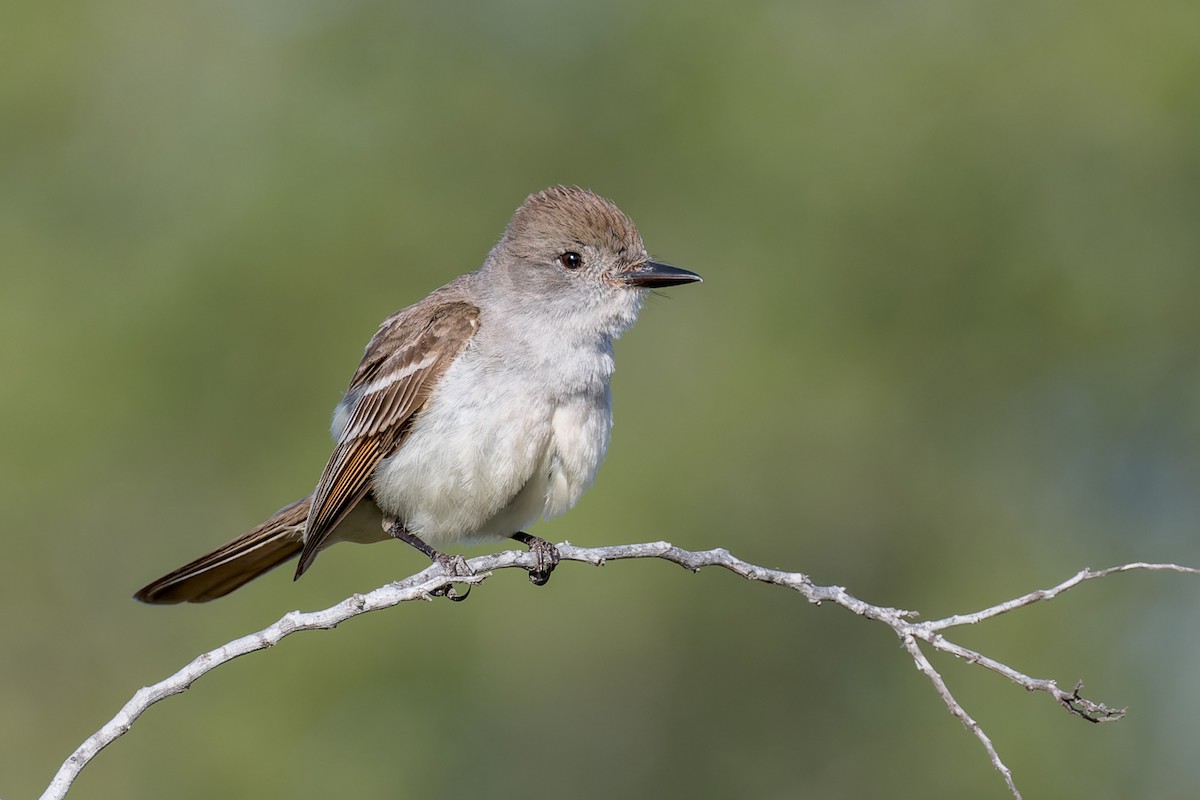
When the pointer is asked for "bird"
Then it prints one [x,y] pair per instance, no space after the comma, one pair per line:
[475,411]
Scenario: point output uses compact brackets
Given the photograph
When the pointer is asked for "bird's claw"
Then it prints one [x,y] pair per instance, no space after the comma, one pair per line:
[454,566]
[545,556]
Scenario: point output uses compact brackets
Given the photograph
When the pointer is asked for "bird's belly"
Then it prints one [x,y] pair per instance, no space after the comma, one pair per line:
[488,467]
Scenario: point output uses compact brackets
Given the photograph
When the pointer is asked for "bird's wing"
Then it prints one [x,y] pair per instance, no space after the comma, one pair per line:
[403,362]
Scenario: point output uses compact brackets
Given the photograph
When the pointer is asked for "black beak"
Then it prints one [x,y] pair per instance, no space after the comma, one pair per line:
[653,275]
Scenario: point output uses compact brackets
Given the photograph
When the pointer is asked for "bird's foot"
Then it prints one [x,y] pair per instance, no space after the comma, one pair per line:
[544,553]
[455,566]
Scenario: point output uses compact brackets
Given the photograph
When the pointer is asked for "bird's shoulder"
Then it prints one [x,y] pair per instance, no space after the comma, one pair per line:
[436,329]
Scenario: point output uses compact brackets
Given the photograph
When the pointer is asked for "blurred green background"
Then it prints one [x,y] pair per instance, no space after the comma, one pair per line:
[946,353]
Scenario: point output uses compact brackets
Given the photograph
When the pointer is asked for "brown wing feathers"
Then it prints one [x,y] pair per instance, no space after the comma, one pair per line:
[397,375]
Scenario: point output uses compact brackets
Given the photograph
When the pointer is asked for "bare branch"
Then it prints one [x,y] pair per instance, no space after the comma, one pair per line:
[1085,574]
[918,656]
[424,586]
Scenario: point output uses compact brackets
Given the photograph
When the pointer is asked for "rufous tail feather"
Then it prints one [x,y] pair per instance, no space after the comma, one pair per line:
[233,564]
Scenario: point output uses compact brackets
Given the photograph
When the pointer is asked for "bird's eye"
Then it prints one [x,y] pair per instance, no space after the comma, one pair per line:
[571,260]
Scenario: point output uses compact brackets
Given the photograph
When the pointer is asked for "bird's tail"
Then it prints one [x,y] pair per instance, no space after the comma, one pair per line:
[218,573]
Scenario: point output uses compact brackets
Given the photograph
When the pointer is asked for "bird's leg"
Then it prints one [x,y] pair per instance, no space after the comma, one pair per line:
[451,565]
[544,553]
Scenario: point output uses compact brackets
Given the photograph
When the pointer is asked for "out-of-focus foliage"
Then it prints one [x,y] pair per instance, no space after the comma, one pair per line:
[946,352]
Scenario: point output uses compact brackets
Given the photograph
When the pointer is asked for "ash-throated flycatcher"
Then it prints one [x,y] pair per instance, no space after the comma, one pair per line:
[475,411]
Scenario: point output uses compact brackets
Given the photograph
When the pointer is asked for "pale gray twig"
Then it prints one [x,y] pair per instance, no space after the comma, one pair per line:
[425,584]
[926,668]
[1085,574]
